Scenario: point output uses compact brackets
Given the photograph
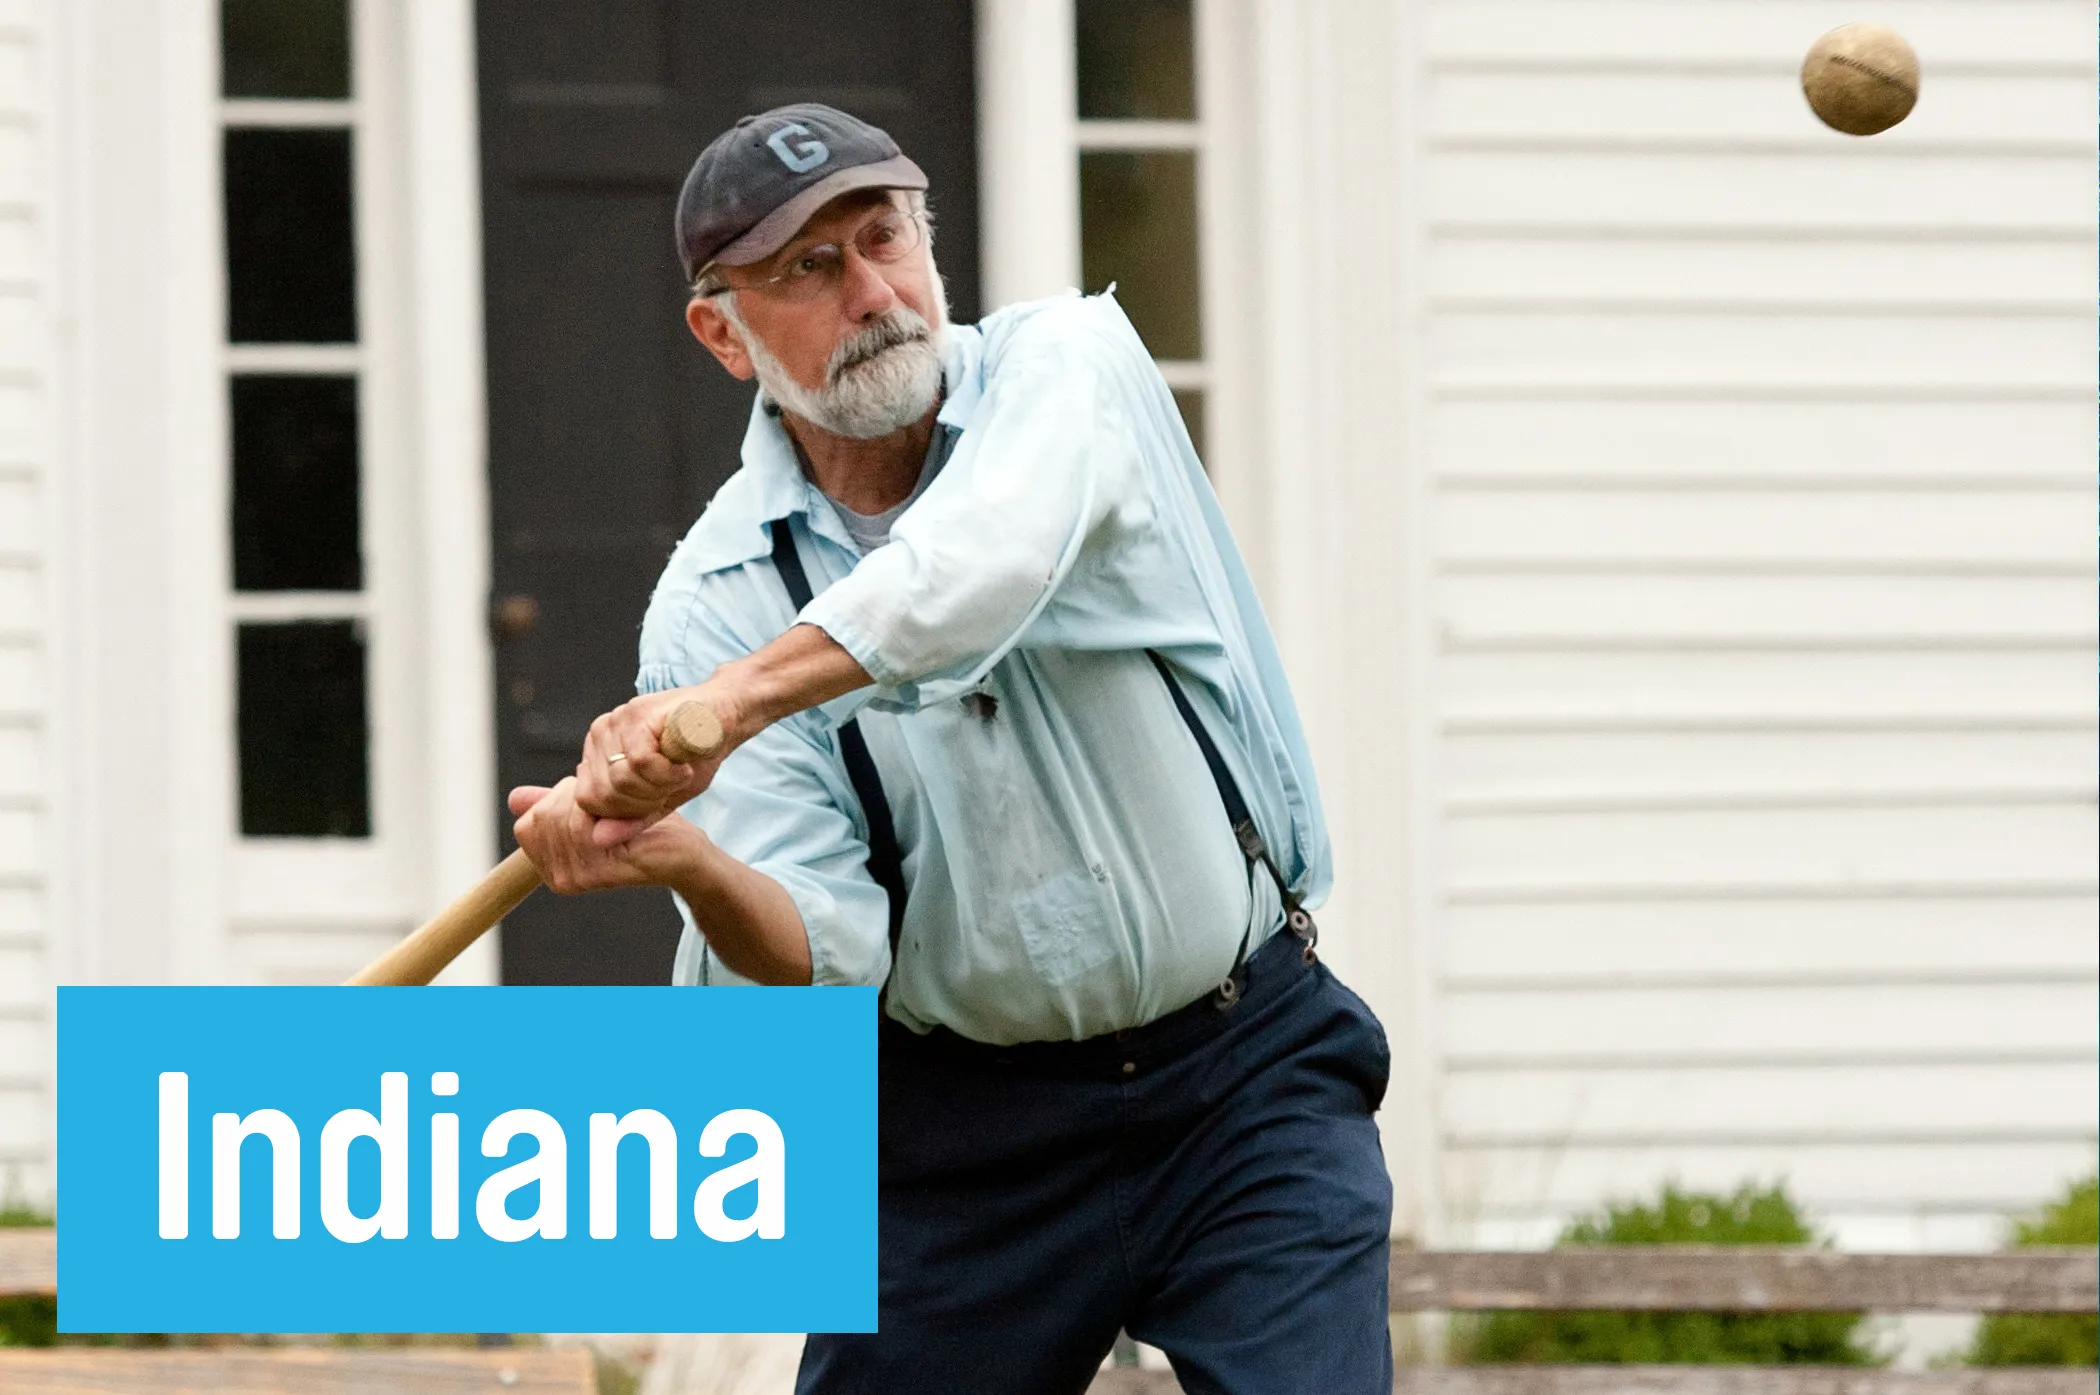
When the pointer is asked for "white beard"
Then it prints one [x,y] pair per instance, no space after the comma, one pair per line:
[881,378]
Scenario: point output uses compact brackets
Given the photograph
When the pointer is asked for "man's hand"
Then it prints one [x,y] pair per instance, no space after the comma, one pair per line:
[749,919]
[558,837]
[625,781]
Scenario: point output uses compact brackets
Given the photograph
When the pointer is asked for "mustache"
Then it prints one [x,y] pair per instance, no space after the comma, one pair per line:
[893,330]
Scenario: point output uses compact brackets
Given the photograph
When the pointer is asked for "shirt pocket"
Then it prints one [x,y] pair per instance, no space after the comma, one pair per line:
[1063,926]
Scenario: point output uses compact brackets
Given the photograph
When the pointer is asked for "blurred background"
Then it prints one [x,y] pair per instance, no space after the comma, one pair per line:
[1678,517]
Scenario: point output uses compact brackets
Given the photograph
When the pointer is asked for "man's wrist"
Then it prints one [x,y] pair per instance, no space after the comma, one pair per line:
[698,876]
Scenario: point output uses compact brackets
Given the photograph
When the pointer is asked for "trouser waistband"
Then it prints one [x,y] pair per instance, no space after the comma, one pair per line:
[1269,972]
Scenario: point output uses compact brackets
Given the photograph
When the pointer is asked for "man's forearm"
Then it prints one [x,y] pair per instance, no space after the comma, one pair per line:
[750,921]
[803,668]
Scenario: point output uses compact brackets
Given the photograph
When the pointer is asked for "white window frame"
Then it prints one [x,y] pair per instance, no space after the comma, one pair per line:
[1030,141]
[179,895]
[304,884]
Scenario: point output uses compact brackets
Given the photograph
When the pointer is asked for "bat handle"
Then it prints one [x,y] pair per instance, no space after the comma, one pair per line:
[692,732]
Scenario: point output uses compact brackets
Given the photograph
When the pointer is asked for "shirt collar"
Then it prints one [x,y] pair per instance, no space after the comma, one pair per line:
[770,485]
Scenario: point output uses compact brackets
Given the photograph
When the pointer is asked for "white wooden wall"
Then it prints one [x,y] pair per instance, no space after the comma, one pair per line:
[29,625]
[1761,474]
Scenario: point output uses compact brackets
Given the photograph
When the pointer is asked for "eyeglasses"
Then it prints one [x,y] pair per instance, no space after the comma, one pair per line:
[815,271]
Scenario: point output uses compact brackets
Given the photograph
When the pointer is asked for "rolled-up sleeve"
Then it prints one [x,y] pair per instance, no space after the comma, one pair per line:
[779,805]
[1047,474]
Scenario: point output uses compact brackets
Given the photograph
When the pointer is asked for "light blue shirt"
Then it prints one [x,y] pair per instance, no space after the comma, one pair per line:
[1070,865]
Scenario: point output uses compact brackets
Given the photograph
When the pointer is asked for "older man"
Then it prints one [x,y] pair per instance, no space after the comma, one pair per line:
[1010,738]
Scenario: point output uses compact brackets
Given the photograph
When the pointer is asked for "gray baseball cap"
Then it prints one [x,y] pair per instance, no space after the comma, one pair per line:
[758,182]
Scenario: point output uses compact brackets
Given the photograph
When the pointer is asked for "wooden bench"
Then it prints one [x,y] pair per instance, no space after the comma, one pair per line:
[1676,1278]
[29,1265]
[1744,1279]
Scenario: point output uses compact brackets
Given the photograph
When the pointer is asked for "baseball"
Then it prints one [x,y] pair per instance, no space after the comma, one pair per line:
[1861,78]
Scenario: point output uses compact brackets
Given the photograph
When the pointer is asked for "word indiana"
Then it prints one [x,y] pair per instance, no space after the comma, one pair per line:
[547,1169]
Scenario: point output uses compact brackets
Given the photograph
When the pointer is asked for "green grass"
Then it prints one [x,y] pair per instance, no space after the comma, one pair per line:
[1751,1216]
[2047,1339]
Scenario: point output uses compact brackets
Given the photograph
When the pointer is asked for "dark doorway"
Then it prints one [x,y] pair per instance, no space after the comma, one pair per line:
[609,428]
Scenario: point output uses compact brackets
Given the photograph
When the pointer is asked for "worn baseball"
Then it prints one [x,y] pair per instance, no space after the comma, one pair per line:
[1861,79]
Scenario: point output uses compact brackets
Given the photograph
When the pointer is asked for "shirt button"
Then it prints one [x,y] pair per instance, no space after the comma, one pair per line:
[1130,1068]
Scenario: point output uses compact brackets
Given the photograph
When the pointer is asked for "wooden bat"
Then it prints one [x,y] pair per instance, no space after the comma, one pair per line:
[692,733]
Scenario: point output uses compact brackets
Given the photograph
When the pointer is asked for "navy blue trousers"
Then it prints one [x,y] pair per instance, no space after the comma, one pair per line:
[1211,1182]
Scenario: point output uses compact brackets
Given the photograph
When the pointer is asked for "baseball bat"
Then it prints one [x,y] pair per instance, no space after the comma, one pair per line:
[691,733]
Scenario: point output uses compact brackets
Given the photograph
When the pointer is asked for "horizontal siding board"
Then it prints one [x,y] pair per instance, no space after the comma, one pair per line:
[24,1111]
[1977,1176]
[20,761]
[18,242]
[1779,848]
[2021,1099]
[25,1044]
[1822,528]
[18,162]
[21,320]
[1694,765]
[1755,689]
[23,980]
[1718,941]
[21,843]
[1569,1026]
[21,676]
[1729,609]
[1847,189]
[1676,442]
[23,913]
[1681,106]
[2048,34]
[1779,273]
[1542,346]
[20,418]
[19,513]
[21,595]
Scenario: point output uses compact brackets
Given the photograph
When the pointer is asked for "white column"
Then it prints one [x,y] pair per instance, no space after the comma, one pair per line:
[1336,262]
[1027,161]
[451,449]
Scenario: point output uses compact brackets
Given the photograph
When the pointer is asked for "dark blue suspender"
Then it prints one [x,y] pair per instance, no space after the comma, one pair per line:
[886,862]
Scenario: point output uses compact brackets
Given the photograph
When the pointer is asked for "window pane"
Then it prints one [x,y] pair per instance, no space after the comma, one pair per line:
[303,731]
[295,520]
[291,273]
[1137,59]
[1190,401]
[1137,220]
[284,48]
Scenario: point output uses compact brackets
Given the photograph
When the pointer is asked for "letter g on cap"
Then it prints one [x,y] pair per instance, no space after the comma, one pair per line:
[800,158]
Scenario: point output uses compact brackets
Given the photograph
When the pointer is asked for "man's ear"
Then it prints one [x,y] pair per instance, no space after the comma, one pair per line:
[712,328]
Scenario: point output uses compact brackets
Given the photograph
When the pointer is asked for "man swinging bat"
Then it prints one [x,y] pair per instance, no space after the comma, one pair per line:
[1006,734]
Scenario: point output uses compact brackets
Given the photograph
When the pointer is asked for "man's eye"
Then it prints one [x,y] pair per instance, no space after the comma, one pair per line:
[805,266]
[881,233]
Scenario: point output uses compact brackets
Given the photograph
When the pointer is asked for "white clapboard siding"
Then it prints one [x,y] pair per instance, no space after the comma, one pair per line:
[1493,1181]
[1869,1102]
[1973,685]
[1763,613]
[27,540]
[1810,438]
[1571,1027]
[1772,941]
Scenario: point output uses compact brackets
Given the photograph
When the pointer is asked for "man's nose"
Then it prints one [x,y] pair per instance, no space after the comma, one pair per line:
[868,294]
